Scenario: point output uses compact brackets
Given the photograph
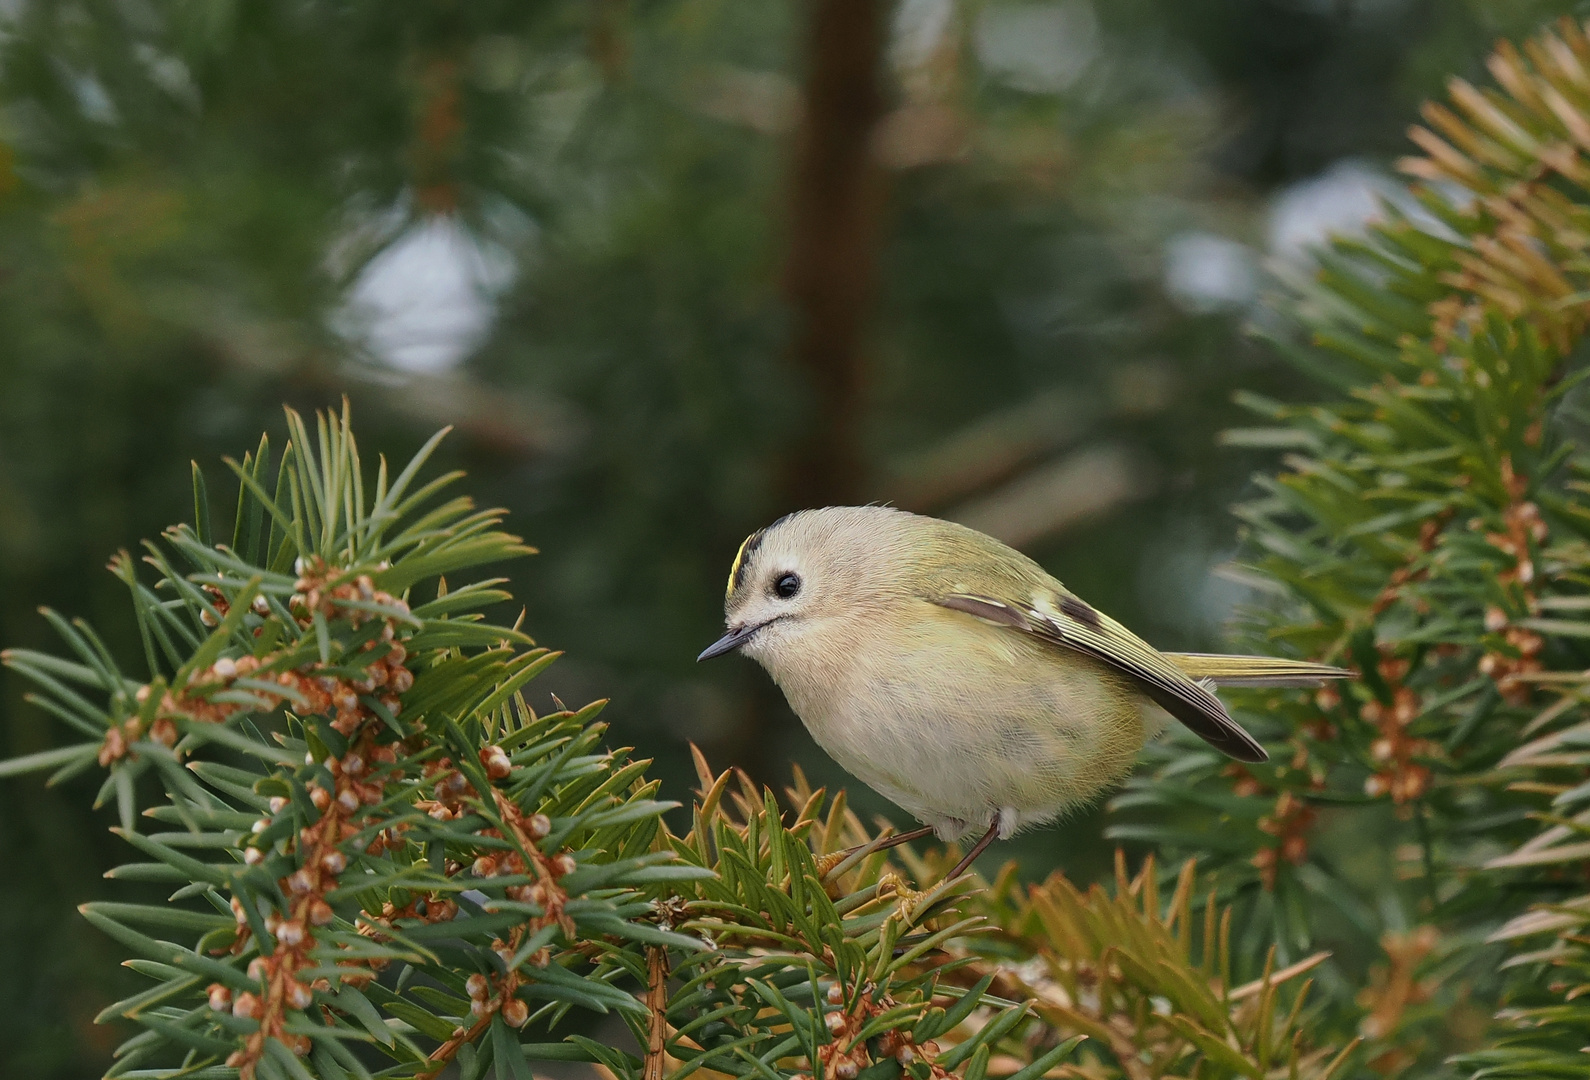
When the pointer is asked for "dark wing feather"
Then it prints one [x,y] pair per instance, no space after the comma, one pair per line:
[1078,627]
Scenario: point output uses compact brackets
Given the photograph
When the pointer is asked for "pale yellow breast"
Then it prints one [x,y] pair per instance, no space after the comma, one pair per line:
[948,715]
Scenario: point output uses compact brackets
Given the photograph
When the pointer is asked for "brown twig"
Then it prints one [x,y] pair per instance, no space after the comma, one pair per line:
[657,969]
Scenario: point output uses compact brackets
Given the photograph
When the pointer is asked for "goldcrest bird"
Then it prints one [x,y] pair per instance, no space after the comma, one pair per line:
[954,676]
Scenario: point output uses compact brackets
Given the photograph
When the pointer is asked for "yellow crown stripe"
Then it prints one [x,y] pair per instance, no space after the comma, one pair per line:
[739,561]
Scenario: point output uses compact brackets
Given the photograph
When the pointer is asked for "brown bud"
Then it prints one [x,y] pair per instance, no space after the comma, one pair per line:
[291,934]
[538,826]
[115,746]
[562,863]
[246,1007]
[320,797]
[333,862]
[515,1012]
[220,997]
[835,1022]
[477,987]
[298,995]
[164,732]
[496,762]
[485,866]
[320,912]
[253,856]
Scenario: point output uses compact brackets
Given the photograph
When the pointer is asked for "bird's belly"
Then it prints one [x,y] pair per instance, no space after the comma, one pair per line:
[1030,747]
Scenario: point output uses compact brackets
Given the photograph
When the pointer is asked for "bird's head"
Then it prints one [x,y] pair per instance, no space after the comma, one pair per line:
[805,571]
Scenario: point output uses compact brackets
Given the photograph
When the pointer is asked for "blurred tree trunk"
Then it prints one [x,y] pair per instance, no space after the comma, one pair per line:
[836,201]
[836,204]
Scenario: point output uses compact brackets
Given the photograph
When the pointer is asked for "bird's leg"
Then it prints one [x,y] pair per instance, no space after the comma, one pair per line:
[905,838]
[977,849]
[839,861]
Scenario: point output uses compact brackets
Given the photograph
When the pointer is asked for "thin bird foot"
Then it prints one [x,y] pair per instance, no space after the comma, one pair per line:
[971,856]
[837,862]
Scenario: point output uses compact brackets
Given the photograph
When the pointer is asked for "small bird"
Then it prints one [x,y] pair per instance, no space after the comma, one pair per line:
[954,676]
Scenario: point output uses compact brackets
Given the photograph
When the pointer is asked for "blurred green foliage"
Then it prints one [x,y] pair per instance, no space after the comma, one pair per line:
[190,191]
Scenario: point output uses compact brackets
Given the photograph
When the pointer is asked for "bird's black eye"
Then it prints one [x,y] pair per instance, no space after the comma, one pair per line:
[787,585]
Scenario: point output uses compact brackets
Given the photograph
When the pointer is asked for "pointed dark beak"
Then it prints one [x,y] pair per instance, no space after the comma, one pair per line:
[736,637]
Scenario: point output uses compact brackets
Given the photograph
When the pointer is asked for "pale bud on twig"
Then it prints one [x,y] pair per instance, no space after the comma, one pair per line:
[298,995]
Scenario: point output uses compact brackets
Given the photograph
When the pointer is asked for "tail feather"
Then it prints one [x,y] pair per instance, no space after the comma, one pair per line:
[1254,670]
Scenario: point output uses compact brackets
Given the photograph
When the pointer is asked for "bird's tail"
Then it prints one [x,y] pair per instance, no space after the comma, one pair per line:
[1254,670]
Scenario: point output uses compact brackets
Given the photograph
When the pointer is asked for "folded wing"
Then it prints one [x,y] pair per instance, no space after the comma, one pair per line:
[1069,622]
[1254,670]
